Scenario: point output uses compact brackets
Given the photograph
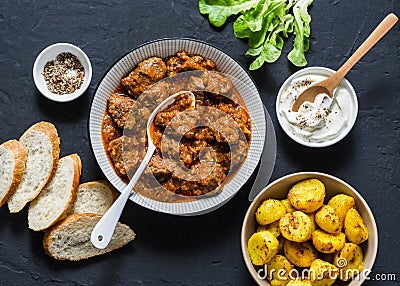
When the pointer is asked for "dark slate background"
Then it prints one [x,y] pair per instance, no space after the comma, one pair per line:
[201,250]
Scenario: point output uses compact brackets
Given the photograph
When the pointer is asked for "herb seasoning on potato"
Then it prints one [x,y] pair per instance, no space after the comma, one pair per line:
[270,211]
[354,227]
[295,226]
[262,246]
[328,219]
[301,254]
[307,196]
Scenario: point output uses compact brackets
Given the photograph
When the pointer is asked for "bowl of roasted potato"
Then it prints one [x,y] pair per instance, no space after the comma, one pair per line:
[309,228]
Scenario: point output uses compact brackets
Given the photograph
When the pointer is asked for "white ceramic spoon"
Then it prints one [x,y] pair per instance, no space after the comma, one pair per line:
[104,229]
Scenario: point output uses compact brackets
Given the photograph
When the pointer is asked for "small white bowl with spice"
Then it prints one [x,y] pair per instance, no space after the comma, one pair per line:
[317,124]
[62,72]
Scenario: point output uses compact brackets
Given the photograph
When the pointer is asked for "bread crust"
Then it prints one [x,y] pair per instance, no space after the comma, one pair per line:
[75,184]
[71,219]
[51,132]
[50,231]
[19,155]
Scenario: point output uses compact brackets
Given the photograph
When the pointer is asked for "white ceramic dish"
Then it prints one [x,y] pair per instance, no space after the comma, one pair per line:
[345,84]
[50,53]
[225,64]
[279,189]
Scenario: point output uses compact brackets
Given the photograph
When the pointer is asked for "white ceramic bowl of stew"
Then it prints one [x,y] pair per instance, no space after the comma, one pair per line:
[225,64]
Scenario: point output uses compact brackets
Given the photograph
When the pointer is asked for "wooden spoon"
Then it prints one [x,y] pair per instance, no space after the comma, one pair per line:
[328,85]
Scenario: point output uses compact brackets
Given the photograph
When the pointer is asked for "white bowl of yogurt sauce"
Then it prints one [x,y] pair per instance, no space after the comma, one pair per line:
[314,125]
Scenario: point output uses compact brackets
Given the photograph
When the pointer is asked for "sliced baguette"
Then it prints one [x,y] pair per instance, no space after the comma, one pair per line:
[12,167]
[42,147]
[56,198]
[94,197]
[70,238]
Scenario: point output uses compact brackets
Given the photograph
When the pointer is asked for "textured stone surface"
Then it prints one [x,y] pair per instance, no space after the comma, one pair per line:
[201,250]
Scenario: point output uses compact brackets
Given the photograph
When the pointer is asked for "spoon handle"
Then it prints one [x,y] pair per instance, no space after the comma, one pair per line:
[384,27]
[104,229]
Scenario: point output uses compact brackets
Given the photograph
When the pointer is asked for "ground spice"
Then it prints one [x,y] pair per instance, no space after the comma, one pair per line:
[64,75]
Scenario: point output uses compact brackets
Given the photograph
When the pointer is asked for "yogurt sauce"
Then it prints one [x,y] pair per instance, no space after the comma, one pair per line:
[313,122]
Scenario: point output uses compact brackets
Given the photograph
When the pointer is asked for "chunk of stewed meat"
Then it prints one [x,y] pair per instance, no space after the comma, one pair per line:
[124,152]
[189,152]
[207,184]
[217,83]
[240,115]
[184,62]
[181,103]
[155,94]
[147,73]
[157,165]
[201,133]
[109,129]
[119,108]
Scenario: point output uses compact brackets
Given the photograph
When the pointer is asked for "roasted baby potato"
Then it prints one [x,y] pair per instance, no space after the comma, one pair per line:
[299,282]
[323,273]
[307,195]
[288,206]
[272,227]
[262,246]
[350,260]
[354,227]
[328,219]
[327,242]
[342,203]
[301,254]
[269,211]
[301,232]
[295,226]
[279,269]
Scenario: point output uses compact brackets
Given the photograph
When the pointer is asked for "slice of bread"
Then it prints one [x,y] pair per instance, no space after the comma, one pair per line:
[94,197]
[42,147]
[12,167]
[70,238]
[56,198]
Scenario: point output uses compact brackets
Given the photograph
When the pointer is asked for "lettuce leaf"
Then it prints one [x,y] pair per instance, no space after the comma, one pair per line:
[219,10]
[301,41]
[254,17]
[241,28]
[265,23]
[272,48]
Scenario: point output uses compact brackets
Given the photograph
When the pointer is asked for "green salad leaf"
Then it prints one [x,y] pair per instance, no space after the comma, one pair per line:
[266,24]
[219,10]
[302,30]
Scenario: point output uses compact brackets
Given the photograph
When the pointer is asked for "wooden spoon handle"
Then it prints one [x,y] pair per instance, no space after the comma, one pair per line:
[384,27]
